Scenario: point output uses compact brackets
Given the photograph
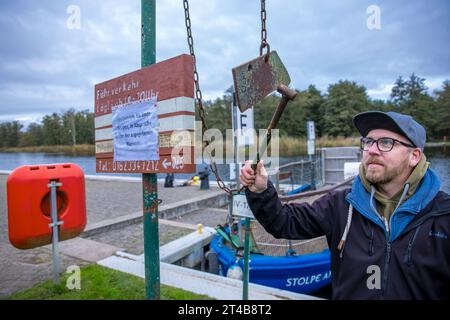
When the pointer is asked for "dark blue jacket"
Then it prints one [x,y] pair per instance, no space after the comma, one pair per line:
[410,262]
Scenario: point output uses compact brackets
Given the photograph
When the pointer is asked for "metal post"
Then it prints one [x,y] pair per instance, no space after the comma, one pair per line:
[245,279]
[148,32]
[313,172]
[246,259]
[311,136]
[230,211]
[55,229]
[277,180]
[235,140]
[322,161]
[149,180]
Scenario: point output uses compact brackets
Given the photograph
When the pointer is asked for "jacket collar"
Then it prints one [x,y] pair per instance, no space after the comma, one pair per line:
[425,193]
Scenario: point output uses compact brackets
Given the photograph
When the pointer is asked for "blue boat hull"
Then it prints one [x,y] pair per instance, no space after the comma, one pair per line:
[302,188]
[305,273]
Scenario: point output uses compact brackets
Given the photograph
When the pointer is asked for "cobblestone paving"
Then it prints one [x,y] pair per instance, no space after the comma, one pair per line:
[207,217]
[111,199]
[131,237]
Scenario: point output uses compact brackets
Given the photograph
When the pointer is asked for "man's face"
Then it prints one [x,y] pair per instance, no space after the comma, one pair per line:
[386,167]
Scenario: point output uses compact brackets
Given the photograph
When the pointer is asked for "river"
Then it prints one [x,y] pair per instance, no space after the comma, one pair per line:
[439,158]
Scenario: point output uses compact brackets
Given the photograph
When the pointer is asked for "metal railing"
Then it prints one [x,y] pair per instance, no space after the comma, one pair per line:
[300,172]
[316,192]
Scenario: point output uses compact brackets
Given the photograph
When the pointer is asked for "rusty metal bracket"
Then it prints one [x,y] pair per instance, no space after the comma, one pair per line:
[257,78]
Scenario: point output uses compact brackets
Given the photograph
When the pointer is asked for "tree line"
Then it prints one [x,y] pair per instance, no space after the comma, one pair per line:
[332,111]
[67,128]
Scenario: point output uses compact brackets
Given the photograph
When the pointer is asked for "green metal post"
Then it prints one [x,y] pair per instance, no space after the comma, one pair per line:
[149,180]
[246,259]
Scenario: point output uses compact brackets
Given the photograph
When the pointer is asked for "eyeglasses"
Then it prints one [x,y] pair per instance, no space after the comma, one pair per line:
[383,144]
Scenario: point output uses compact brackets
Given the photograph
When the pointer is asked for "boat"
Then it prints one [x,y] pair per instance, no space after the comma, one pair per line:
[304,273]
[302,188]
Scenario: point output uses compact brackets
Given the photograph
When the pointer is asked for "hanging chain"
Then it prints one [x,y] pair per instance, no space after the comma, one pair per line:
[264,43]
[198,99]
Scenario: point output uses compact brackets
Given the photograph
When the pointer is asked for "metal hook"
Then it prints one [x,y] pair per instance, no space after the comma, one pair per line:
[267,54]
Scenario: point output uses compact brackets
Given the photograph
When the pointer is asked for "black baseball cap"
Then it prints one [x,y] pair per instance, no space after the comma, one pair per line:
[396,122]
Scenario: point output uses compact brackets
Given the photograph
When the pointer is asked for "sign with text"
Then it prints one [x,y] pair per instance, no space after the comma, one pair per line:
[310,130]
[311,136]
[145,120]
[135,131]
[241,207]
[245,128]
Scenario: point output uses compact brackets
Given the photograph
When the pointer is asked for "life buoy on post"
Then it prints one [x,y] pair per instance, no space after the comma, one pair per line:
[29,208]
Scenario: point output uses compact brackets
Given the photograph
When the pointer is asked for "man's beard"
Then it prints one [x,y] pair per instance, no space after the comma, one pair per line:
[381,175]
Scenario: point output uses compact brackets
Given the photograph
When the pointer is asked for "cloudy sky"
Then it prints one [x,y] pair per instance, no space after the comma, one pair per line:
[48,64]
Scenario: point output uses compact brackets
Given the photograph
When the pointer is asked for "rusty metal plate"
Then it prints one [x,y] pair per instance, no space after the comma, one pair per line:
[257,78]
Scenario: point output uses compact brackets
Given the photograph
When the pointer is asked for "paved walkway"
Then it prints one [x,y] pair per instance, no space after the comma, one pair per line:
[110,199]
[105,200]
[131,237]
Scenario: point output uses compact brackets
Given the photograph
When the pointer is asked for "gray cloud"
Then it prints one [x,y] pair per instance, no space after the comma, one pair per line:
[45,67]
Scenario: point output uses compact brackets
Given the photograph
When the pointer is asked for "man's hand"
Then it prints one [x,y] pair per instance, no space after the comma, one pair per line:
[255,181]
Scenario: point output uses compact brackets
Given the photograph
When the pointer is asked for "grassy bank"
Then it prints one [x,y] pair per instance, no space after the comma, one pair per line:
[77,150]
[290,147]
[297,146]
[100,283]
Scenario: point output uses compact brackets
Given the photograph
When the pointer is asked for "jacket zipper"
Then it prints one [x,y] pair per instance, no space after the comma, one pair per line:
[389,249]
[386,269]
[408,258]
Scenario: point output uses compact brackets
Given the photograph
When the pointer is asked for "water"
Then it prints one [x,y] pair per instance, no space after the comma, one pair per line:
[439,158]
[10,161]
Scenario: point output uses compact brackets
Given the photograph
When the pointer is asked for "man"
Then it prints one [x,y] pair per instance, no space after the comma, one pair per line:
[389,235]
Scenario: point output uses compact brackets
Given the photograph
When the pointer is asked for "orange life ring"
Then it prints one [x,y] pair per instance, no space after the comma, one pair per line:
[29,212]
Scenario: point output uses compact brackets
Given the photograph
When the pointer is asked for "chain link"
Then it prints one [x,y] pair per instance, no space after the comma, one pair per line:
[264,43]
[198,100]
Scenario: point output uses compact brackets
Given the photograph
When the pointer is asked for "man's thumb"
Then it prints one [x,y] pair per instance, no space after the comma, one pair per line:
[261,169]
